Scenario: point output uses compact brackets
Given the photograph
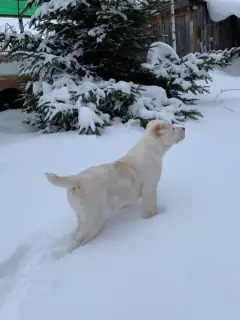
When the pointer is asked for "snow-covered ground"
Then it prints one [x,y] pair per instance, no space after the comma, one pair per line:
[181,265]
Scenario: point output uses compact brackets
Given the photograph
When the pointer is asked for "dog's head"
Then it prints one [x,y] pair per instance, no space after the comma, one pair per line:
[165,132]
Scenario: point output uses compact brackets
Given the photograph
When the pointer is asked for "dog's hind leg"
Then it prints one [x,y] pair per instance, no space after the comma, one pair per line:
[91,214]
[90,226]
[86,234]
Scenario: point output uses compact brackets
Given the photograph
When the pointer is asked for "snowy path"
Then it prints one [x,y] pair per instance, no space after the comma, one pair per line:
[11,127]
[12,130]
[181,265]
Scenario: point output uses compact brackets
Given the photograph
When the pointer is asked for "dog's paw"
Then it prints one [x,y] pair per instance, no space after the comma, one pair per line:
[150,215]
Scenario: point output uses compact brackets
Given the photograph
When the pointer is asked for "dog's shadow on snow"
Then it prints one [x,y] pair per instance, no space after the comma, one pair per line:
[29,258]
[122,223]
[39,252]
[121,219]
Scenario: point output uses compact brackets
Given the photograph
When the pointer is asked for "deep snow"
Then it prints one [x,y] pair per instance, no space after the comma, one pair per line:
[181,265]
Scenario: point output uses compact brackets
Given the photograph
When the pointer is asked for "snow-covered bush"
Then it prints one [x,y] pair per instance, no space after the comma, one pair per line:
[88,105]
[83,66]
[179,76]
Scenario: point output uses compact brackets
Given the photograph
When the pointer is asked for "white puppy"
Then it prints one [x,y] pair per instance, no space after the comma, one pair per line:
[97,191]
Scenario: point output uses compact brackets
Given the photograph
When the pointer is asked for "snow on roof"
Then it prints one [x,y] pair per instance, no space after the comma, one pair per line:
[222,9]
[9,68]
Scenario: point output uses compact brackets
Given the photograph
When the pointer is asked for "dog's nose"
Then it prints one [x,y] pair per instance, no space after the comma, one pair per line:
[183,128]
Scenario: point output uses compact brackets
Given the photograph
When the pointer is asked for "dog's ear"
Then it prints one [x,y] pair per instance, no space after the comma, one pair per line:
[158,129]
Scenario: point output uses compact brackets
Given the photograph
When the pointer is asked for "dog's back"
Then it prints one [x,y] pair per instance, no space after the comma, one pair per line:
[94,191]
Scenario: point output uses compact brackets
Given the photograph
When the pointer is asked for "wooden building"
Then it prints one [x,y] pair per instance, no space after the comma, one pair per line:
[195,31]
[10,84]
[9,73]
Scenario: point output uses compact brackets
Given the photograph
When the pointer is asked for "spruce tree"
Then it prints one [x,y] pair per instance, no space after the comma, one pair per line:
[79,58]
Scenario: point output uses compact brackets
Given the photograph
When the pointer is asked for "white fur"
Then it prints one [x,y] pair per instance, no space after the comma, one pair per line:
[95,192]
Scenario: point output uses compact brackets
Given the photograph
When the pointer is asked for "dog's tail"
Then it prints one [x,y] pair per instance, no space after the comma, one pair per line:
[64,182]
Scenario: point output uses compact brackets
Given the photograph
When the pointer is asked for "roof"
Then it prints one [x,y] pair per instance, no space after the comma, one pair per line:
[221,9]
[13,8]
[9,69]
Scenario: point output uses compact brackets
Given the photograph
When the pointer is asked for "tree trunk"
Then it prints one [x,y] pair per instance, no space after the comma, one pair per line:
[173,27]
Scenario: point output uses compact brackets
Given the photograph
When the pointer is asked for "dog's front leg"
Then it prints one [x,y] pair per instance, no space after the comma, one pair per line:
[149,199]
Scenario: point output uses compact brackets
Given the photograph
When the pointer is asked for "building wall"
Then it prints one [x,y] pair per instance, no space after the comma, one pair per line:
[9,82]
[162,31]
[195,31]
[8,73]
[210,35]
